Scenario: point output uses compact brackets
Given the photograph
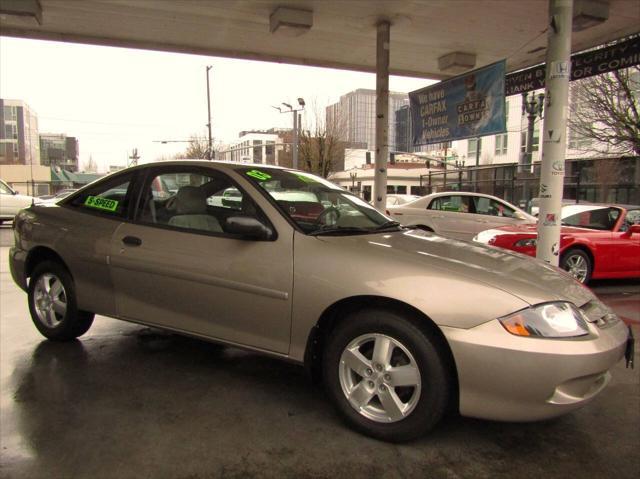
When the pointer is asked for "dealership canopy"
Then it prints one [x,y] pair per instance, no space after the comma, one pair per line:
[429,38]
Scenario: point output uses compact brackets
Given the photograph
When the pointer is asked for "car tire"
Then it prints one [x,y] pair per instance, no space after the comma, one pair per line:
[578,264]
[53,305]
[370,401]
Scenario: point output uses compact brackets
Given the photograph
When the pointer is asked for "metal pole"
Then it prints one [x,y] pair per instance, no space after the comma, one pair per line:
[382,113]
[554,130]
[209,150]
[295,140]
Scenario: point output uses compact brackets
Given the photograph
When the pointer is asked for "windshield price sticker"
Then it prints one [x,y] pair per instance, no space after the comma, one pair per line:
[258,175]
[101,203]
[306,179]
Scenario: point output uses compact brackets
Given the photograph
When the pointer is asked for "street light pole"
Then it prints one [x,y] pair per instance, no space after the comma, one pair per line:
[354,175]
[297,120]
[295,139]
[209,150]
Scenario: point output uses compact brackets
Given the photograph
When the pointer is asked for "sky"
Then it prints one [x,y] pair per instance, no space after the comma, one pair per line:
[115,99]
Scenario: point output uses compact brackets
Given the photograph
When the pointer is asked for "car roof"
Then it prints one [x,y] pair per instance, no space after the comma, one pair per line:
[223,164]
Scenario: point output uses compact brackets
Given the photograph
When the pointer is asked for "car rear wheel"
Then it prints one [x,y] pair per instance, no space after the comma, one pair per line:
[386,376]
[578,264]
[52,303]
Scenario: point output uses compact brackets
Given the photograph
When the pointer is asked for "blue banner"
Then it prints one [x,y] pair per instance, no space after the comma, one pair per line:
[465,106]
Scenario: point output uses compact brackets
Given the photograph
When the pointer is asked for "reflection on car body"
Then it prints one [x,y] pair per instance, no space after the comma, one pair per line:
[596,241]
[458,214]
[400,324]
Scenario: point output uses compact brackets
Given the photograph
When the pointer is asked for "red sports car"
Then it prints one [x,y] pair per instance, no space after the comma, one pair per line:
[596,241]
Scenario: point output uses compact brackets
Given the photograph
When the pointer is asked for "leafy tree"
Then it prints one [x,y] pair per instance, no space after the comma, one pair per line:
[605,111]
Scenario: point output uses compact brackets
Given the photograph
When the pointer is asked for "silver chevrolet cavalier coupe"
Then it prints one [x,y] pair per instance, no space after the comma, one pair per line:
[400,324]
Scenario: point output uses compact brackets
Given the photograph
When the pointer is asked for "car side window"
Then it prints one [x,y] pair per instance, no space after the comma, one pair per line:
[108,198]
[192,199]
[455,203]
[487,206]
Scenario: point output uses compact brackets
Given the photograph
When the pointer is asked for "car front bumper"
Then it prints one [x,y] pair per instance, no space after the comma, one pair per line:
[511,378]
[17,261]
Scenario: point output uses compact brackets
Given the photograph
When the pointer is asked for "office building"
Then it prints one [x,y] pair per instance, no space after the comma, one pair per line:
[354,117]
[19,142]
[59,150]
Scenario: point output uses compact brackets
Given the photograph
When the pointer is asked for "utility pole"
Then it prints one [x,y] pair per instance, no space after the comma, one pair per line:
[210,149]
[133,158]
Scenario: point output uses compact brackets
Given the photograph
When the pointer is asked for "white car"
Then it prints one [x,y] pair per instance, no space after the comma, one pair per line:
[459,214]
[397,200]
[11,202]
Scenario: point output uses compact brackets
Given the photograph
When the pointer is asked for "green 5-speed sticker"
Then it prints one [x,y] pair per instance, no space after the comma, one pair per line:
[101,203]
[258,175]
[306,179]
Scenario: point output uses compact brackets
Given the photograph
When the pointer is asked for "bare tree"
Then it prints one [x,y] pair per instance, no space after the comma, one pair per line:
[321,145]
[197,149]
[605,111]
[90,166]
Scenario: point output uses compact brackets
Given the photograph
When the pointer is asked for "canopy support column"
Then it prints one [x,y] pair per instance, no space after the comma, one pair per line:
[382,114]
[554,130]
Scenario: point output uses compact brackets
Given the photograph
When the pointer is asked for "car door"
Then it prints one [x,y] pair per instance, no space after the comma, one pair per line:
[187,274]
[450,216]
[90,219]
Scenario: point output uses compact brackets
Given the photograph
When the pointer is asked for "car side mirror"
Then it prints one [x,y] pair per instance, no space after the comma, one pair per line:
[249,227]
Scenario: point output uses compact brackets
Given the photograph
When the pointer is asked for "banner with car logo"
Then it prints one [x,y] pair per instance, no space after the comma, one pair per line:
[466,106]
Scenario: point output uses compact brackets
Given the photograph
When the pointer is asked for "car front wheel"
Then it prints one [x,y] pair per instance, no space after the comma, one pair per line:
[385,375]
[52,303]
[578,264]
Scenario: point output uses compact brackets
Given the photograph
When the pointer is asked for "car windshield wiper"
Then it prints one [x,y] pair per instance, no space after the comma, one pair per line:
[338,231]
[388,225]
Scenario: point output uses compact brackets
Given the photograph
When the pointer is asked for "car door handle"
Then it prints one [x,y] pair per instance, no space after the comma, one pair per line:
[132,241]
[437,216]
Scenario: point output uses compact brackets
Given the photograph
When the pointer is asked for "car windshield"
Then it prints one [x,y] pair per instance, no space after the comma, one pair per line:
[590,216]
[318,206]
[5,189]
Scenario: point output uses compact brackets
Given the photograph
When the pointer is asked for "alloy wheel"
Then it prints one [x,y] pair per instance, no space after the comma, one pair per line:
[50,300]
[380,378]
[577,267]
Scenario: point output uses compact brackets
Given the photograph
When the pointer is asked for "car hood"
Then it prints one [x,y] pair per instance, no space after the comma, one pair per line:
[529,279]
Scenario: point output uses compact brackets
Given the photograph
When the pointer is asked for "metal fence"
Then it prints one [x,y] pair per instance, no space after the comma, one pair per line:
[598,180]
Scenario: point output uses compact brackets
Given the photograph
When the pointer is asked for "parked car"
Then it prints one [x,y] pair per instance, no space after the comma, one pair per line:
[397,200]
[534,204]
[57,196]
[400,324]
[458,214]
[596,241]
[11,202]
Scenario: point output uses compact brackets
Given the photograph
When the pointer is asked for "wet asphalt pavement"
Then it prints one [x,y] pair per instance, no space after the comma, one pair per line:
[127,402]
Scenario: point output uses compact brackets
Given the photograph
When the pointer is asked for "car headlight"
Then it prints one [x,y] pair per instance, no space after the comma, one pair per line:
[549,320]
[526,243]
